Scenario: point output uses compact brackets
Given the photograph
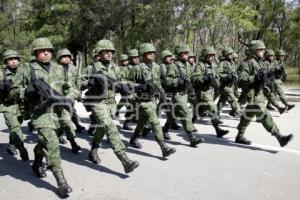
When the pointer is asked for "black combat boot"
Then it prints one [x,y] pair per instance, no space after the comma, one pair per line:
[129,165]
[166,151]
[166,133]
[91,131]
[76,149]
[93,155]
[281,109]
[240,139]
[175,126]
[63,188]
[270,107]
[79,128]
[30,126]
[194,141]
[284,139]
[126,126]
[23,151]
[290,106]
[146,130]
[11,148]
[134,141]
[220,132]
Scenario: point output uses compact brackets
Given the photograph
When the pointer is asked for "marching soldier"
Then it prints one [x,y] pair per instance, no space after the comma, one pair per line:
[252,76]
[10,107]
[44,117]
[146,79]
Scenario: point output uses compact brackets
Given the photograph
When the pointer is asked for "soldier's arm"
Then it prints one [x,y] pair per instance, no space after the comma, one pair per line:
[85,77]
[70,88]
[21,81]
[220,70]
[245,76]
[198,75]
[172,76]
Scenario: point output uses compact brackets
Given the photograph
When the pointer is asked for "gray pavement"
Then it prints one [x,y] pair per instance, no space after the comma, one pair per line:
[217,169]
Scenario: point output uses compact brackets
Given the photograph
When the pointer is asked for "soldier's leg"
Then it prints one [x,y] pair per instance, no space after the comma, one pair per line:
[142,120]
[272,100]
[128,115]
[76,120]
[170,120]
[280,92]
[104,114]
[48,145]
[120,105]
[232,100]
[214,117]
[248,115]
[16,135]
[270,125]
[69,128]
[183,113]
[222,100]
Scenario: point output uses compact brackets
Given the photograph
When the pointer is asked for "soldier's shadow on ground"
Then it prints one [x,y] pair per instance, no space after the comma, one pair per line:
[82,160]
[211,139]
[10,166]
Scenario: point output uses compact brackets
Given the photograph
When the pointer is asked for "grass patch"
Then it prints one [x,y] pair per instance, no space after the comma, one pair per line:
[293,79]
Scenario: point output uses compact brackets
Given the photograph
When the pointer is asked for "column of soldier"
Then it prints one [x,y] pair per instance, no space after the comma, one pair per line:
[44,91]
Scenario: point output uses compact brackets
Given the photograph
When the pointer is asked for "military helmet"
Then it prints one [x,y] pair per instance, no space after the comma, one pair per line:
[235,55]
[191,54]
[133,53]
[41,43]
[104,45]
[208,51]
[182,48]
[166,53]
[269,52]
[226,51]
[63,52]
[146,48]
[257,44]
[123,57]
[280,52]
[10,54]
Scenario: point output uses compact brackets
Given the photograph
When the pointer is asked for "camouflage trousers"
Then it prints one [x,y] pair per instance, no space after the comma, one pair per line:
[66,124]
[14,122]
[147,115]
[262,114]
[103,113]
[47,145]
[227,95]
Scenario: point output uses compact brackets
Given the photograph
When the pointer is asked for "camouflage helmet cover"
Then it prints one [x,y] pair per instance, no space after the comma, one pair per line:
[10,54]
[41,43]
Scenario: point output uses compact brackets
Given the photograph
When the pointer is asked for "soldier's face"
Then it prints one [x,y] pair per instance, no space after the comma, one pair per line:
[135,60]
[230,56]
[192,60]
[281,58]
[124,62]
[270,58]
[184,56]
[65,60]
[44,55]
[106,55]
[12,62]
[168,60]
[210,58]
[260,53]
[150,56]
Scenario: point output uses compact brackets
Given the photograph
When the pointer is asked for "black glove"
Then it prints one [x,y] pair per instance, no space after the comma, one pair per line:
[142,87]
[181,82]
[8,85]
[208,78]
[259,76]
[91,82]
[229,78]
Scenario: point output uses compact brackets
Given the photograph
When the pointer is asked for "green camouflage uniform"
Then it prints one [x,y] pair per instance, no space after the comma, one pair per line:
[256,104]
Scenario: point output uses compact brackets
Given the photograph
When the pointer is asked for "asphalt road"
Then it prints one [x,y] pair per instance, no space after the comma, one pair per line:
[217,169]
